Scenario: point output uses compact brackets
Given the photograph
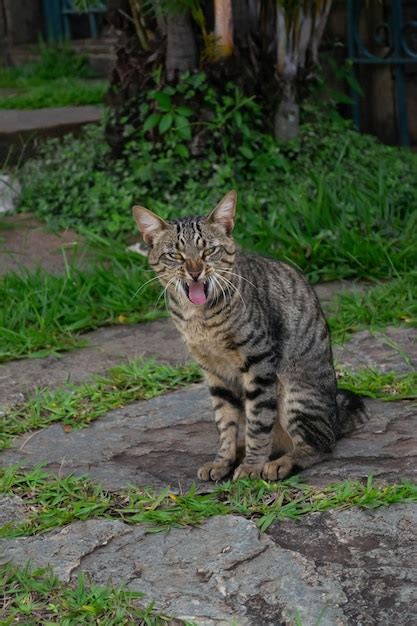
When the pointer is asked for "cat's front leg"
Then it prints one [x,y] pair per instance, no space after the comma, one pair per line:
[261,405]
[228,407]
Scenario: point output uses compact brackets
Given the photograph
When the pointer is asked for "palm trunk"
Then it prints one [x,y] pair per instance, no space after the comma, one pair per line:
[299,33]
[287,115]
[223,27]
[181,51]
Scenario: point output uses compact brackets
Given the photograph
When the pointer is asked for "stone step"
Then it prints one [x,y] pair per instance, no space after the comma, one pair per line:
[20,129]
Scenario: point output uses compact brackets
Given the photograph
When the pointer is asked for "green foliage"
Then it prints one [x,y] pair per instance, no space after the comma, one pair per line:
[78,405]
[28,592]
[57,78]
[334,202]
[57,501]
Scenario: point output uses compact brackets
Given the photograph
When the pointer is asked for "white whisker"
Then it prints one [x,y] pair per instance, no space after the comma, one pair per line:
[232,286]
[239,276]
[147,283]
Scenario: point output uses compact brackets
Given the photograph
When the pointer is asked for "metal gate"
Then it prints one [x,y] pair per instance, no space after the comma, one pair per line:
[399,40]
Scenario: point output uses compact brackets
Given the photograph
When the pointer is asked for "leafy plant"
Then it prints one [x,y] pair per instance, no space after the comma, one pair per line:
[333,202]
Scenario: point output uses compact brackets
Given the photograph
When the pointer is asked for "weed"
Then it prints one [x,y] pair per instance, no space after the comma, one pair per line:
[60,92]
[78,405]
[57,78]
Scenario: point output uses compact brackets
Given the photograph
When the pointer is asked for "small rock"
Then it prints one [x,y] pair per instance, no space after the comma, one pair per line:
[12,510]
[9,193]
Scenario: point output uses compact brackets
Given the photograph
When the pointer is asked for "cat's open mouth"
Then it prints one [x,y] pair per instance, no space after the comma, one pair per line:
[197,292]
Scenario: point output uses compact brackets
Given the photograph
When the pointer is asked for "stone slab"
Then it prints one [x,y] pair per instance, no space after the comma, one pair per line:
[337,568]
[20,130]
[26,245]
[108,346]
[394,349]
[17,122]
[164,441]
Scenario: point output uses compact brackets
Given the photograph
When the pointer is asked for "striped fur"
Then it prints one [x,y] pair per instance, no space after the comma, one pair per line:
[261,340]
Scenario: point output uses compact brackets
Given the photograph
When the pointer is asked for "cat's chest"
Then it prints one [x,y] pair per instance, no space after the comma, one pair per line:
[211,345]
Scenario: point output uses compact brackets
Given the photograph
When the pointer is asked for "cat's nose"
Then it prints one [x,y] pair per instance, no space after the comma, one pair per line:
[195,275]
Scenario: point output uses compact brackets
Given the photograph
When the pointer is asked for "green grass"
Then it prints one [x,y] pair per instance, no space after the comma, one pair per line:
[78,405]
[36,596]
[60,92]
[390,386]
[54,502]
[44,314]
[390,303]
[56,78]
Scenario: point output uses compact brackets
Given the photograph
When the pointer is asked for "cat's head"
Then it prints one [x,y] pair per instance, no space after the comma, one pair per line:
[193,256]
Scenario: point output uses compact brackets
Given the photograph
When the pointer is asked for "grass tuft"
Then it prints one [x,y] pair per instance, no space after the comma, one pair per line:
[54,502]
[44,314]
[37,596]
[78,405]
[390,303]
[388,386]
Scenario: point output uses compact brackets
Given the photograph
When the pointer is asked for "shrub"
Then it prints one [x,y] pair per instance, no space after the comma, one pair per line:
[334,202]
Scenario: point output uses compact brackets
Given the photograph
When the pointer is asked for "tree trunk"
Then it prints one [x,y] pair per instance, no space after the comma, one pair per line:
[181,51]
[223,27]
[287,115]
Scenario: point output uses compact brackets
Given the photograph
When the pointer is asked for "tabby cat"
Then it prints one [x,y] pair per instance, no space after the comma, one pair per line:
[256,328]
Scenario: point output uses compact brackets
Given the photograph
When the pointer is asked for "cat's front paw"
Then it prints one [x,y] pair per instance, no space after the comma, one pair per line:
[247,470]
[279,469]
[214,470]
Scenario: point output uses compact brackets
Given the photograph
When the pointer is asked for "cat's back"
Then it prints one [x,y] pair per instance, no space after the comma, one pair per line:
[274,282]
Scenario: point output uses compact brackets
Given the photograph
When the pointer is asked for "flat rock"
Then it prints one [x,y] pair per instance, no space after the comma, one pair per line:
[394,349]
[337,568]
[12,510]
[107,347]
[372,554]
[164,441]
[26,245]
[153,442]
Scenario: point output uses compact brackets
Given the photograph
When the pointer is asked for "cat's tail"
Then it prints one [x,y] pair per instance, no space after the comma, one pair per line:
[351,412]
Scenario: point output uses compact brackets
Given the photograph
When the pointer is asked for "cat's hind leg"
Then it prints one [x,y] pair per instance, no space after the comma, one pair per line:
[307,417]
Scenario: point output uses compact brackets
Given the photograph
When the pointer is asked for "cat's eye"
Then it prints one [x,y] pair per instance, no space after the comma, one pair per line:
[210,251]
[176,256]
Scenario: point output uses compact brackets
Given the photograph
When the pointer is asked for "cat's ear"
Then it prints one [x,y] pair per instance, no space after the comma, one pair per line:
[224,213]
[148,223]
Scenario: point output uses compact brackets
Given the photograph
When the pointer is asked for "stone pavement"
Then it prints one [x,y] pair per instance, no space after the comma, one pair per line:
[335,568]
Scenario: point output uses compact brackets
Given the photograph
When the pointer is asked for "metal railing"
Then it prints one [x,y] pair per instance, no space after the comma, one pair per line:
[398,42]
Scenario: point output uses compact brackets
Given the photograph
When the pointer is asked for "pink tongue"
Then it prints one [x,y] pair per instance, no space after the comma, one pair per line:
[196,293]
